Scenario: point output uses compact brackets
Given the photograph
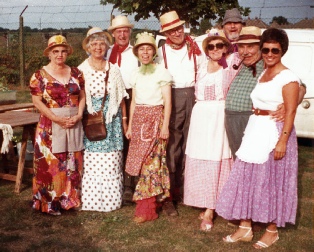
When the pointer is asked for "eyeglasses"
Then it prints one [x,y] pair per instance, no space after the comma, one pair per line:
[273,50]
[211,47]
[95,44]
[56,52]
[174,30]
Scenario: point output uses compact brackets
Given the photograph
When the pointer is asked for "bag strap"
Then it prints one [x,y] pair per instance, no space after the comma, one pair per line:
[106,82]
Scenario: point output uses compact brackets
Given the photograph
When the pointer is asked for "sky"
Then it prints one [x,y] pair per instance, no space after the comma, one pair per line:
[81,13]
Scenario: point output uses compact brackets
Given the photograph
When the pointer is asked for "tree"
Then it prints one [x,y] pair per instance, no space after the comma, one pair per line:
[280,20]
[192,11]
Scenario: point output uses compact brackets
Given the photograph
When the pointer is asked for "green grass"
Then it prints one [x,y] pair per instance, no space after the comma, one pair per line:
[22,229]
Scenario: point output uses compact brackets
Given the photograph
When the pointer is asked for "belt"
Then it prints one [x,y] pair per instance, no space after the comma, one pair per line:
[260,112]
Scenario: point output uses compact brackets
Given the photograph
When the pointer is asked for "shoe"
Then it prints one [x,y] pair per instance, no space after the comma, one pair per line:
[54,213]
[139,219]
[245,238]
[261,245]
[127,197]
[169,208]
[206,225]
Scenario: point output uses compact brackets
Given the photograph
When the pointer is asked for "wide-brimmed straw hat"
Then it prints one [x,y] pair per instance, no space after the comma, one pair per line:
[144,38]
[92,31]
[212,35]
[57,40]
[249,34]
[232,16]
[169,21]
[120,22]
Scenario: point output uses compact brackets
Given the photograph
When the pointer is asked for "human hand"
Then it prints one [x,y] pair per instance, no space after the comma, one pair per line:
[279,114]
[164,133]
[280,150]
[128,134]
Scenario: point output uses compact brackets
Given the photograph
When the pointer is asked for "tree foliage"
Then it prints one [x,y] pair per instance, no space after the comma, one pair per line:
[280,20]
[192,11]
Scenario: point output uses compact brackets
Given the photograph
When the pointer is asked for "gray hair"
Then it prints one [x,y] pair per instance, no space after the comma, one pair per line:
[100,37]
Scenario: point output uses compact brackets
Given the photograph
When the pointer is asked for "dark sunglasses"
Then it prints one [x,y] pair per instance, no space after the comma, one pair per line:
[273,50]
[211,47]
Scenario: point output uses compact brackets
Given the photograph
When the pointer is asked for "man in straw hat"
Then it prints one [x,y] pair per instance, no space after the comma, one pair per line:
[121,54]
[182,57]
[232,25]
[238,106]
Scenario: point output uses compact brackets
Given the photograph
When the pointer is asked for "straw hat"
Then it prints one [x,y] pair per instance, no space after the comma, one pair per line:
[232,16]
[249,34]
[144,38]
[212,35]
[57,40]
[92,31]
[169,21]
[120,22]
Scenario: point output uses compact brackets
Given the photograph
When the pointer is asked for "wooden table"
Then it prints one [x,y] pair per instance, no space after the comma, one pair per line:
[16,106]
[28,121]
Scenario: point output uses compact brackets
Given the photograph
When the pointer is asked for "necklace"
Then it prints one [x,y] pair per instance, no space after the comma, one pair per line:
[102,66]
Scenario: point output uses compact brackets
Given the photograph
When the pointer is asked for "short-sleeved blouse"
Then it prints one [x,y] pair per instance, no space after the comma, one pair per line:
[148,86]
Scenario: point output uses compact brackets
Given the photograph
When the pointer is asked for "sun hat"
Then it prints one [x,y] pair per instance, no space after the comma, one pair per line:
[169,21]
[92,31]
[57,40]
[233,16]
[120,22]
[212,35]
[144,38]
[249,34]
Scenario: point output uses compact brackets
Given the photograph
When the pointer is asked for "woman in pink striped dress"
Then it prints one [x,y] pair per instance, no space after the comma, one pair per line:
[208,157]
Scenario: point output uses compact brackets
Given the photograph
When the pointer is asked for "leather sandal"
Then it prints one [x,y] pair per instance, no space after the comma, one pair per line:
[201,215]
[262,245]
[247,237]
[206,225]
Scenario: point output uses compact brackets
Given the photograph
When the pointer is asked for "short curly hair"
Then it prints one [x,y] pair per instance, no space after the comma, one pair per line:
[274,35]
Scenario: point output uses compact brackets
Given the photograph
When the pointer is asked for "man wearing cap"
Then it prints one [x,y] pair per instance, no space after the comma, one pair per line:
[238,107]
[182,57]
[121,54]
[232,25]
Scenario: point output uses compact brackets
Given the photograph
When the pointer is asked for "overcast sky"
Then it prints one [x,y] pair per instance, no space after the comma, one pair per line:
[81,13]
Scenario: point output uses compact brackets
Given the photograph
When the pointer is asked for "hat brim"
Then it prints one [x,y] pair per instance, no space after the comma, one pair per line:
[247,41]
[107,34]
[181,22]
[233,20]
[111,28]
[208,39]
[48,49]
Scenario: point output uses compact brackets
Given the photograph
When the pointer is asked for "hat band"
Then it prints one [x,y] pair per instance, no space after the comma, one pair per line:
[245,37]
[55,43]
[171,23]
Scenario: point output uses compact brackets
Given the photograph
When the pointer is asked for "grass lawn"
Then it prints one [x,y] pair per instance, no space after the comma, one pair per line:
[22,229]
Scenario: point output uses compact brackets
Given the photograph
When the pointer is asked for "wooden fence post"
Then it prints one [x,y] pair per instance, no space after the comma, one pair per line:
[21,47]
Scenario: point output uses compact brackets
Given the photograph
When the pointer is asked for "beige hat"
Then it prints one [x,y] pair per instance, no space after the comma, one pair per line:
[169,21]
[212,35]
[144,38]
[120,22]
[92,31]
[233,16]
[249,34]
[57,40]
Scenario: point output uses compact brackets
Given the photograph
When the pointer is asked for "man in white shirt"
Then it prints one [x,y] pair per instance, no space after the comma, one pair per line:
[120,53]
[182,57]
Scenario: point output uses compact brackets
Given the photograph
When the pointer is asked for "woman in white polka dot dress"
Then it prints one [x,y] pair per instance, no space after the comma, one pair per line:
[102,182]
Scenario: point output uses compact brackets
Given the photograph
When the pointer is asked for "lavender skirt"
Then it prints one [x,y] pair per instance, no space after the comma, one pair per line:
[263,192]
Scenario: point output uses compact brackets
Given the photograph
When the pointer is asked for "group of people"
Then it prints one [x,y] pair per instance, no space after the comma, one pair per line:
[210,126]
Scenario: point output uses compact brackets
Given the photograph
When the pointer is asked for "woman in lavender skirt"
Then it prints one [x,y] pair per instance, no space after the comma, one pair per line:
[262,186]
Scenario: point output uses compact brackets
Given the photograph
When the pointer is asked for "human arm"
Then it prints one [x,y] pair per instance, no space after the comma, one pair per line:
[279,114]
[38,103]
[132,107]
[75,119]
[124,116]
[166,95]
[290,93]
